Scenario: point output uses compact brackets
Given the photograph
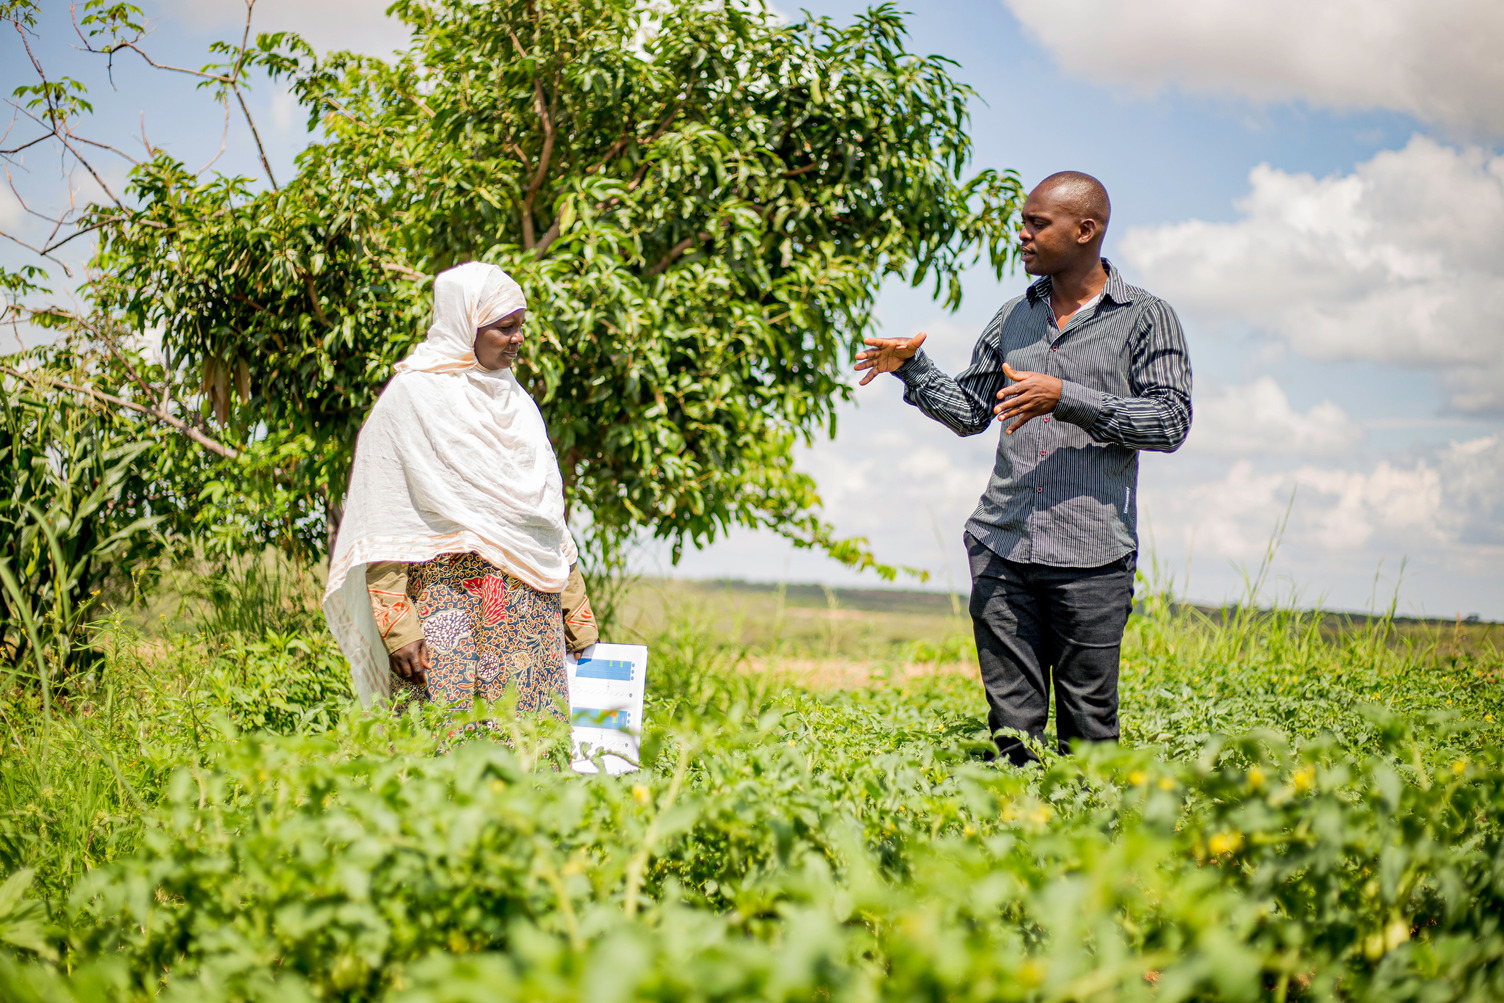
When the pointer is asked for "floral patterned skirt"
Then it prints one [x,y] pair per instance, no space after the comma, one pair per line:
[486,630]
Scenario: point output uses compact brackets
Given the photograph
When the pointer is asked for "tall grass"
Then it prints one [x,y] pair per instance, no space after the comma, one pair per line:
[240,647]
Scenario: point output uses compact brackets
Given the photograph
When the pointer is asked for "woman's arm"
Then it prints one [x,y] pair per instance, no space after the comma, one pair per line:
[580,631]
[397,619]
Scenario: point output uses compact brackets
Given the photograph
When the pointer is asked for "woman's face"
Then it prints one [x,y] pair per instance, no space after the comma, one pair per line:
[497,345]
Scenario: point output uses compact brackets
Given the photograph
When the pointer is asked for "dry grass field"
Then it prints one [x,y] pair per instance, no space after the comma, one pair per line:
[837,637]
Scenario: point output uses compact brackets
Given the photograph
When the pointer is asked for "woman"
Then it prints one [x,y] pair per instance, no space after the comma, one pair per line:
[453,575]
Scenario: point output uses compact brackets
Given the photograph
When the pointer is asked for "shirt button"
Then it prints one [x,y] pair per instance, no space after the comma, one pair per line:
[1046,417]
[1054,348]
[1041,452]
[1039,491]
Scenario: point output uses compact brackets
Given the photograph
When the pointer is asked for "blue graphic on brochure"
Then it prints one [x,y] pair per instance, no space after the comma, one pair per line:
[606,687]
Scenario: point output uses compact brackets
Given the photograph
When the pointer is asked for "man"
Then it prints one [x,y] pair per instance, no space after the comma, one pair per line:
[1083,371]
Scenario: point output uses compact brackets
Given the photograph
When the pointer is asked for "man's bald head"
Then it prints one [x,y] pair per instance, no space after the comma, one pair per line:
[1062,223]
[1081,194]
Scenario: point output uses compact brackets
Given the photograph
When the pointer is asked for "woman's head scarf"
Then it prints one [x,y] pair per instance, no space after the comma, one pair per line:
[466,298]
[453,458]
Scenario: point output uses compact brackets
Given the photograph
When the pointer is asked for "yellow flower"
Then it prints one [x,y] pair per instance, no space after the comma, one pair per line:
[1225,842]
[969,829]
[1167,783]
[1459,767]
[1138,778]
[1489,718]
[1256,778]
[1304,778]
[640,792]
[1040,815]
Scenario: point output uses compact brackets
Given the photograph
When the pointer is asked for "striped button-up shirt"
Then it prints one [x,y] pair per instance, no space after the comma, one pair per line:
[1063,488]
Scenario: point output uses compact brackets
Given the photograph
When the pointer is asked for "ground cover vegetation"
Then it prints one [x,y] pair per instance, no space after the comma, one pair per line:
[1293,815]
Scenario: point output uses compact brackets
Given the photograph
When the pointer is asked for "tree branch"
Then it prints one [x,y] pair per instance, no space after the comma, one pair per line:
[218,77]
[224,138]
[24,146]
[218,448]
[111,343]
[612,152]
[402,270]
[57,121]
[544,113]
[675,253]
[313,298]
[245,38]
[265,164]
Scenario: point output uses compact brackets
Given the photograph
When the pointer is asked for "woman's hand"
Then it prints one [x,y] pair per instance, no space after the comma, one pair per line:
[411,662]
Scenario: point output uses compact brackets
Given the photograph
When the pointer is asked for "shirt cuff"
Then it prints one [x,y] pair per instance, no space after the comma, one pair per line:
[580,630]
[404,632]
[396,619]
[915,370]
[1081,406]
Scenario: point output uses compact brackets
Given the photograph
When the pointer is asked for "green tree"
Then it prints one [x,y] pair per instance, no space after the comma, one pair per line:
[700,200]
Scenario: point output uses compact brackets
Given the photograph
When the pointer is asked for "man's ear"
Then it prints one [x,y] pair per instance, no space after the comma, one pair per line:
[1087,230]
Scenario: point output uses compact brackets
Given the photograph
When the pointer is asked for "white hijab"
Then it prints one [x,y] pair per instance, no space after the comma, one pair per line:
[453,458]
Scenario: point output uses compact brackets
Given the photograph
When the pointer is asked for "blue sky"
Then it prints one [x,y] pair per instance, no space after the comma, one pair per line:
[1325,209]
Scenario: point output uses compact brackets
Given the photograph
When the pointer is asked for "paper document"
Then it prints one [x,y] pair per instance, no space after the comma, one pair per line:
[606,686]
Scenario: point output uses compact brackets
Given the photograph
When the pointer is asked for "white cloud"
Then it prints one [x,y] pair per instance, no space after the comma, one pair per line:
[11,213]
[1400,262]
[1475,475]
[1445,507]
[284,109]
[1435,59]
[1353,505]
[1232,517]
[357,25]
[1257,418]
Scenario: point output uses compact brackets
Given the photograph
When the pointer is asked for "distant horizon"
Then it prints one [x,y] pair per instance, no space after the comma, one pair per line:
[896,589]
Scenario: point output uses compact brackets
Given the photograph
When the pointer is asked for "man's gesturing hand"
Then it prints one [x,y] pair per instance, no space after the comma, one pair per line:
[886,354]
[411,662]
[1028,396]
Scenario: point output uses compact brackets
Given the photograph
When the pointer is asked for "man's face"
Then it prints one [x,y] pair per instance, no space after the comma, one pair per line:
[1048,233]
[497,345]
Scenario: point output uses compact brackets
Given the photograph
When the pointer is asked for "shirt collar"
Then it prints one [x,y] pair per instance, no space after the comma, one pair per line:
[1115,289]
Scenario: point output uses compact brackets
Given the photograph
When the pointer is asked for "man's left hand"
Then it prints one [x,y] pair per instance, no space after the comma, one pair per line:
[1030,395]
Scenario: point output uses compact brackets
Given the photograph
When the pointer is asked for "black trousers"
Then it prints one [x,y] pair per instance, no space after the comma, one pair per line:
[1036,625]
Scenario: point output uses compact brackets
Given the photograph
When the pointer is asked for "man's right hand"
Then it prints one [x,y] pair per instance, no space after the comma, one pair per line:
[883,355]
[411,662]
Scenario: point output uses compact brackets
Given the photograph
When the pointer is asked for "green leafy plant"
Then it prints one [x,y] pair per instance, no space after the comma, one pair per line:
[73,512]
[1263,833]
